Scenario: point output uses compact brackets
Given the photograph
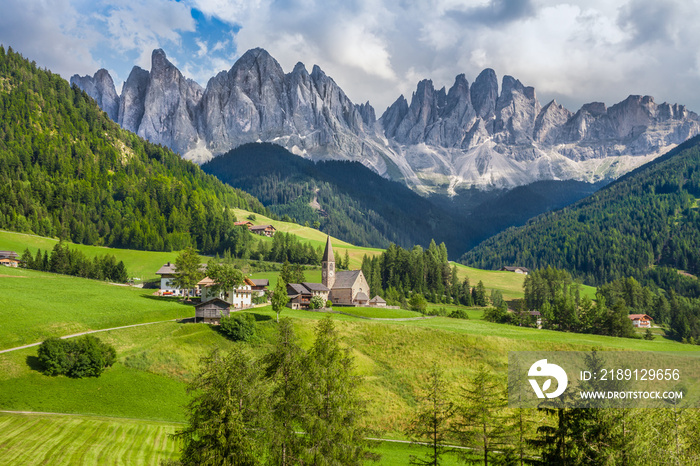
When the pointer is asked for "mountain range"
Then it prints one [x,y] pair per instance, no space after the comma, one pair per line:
[442,141]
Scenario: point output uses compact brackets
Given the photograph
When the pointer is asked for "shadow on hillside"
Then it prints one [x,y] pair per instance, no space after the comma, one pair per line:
[169,299]
[34,363]
[260,317]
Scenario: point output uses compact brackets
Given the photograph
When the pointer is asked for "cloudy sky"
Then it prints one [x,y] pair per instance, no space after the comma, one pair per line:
[577,51]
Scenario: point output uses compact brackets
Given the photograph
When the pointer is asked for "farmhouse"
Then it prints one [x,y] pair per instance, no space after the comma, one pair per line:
[9,258]
[167,275]
[246,223]
[522,270]
[240,297]
[211,311]
[263,230]
[260,285]
[641,320]
[300,294]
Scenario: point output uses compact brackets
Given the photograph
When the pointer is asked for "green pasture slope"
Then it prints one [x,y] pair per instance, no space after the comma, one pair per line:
[37,305]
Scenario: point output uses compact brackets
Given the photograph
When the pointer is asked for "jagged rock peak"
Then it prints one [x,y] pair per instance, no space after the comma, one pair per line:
[101,88]
[484,93]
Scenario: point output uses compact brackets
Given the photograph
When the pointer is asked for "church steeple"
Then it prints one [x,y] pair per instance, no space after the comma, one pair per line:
[328,265]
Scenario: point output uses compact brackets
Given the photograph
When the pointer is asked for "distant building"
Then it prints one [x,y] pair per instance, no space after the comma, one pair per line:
[522,270]
[263,230]
[260,285]
[347,287]
[240,297]
[246,223]
[377,301]
[300,294]
[9,258]
[641,320]
[211,311]
[167,274]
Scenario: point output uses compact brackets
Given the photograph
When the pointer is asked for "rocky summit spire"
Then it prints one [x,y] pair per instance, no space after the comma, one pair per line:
[328,265]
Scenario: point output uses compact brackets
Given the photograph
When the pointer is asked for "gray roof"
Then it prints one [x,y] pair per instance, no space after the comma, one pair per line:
[377,299]
[218,302]
[328,253]
[315,286]
[361,296]
[261,227]
[260,281]
[8,255]
[168,268]
[297,288]
[346,278]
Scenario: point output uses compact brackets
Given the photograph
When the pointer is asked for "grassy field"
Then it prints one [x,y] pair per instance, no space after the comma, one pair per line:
[314,237]
[38,439]
[36,305]
[141,265]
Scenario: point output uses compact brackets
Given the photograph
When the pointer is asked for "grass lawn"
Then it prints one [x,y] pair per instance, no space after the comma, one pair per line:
[141,265]
[36,305]
[36,439]
[379,313]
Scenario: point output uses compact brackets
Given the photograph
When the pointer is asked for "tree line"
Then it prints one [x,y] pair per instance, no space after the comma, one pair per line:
[399,274]
[67,261]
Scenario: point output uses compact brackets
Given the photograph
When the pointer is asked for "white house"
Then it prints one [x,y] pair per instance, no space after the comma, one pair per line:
[239,298]
[167,275]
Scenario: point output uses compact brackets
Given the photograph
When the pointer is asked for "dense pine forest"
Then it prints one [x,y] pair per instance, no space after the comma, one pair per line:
[68,171]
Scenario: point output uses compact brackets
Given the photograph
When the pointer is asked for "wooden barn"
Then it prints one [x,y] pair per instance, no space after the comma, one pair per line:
[210,312]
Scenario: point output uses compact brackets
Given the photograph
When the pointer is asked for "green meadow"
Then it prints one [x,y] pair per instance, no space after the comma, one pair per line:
[37,305]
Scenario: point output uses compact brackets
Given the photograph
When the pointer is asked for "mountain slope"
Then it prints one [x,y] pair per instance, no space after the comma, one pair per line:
[439,142]
[67,170]
[355,204]
[647,218]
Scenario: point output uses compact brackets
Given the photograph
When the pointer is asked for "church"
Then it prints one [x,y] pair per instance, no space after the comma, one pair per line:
[347,287]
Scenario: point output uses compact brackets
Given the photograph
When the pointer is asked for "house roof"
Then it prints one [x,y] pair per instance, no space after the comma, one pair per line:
[216,301]
[260,281]
[168,268]
[361,296]
[297,288]
[206,281]
[640,317]
[246,222]
[261,227]
[346,278]
[315,286]
[510,268]
[328,253]
[9,255]
[377,299]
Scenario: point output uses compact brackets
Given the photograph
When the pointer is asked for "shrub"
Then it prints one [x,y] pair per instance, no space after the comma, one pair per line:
[329,304]
[238,326]
[316,302]
[459,314]
[417,303]
[86,356]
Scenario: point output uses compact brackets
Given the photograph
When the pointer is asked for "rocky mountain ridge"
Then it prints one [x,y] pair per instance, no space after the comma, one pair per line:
[440,141]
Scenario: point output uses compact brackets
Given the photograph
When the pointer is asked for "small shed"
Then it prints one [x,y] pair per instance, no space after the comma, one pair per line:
[212,311]
[377,301]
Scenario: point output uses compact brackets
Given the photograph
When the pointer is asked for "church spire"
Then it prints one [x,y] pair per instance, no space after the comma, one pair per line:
[328,253]
[328,265]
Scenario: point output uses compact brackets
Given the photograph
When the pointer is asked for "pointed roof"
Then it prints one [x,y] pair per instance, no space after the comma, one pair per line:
[328,253]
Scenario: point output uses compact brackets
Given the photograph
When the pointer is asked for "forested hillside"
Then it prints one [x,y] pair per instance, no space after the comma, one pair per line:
[351,202]
[647,218]
[67,170]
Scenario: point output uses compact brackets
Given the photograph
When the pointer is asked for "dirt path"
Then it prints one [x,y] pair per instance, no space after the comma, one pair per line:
[86,333]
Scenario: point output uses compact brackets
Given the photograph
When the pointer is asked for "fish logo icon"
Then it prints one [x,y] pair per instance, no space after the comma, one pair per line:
[543,369]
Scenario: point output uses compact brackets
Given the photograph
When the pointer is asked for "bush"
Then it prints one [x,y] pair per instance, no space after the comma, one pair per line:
[497,315]
[316,302]
[238,326]
[459,314]
[417,303]
[441,312]
[87,356]
[329,304]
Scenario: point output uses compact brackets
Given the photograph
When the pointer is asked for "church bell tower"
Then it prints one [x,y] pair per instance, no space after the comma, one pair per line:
[328,266]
